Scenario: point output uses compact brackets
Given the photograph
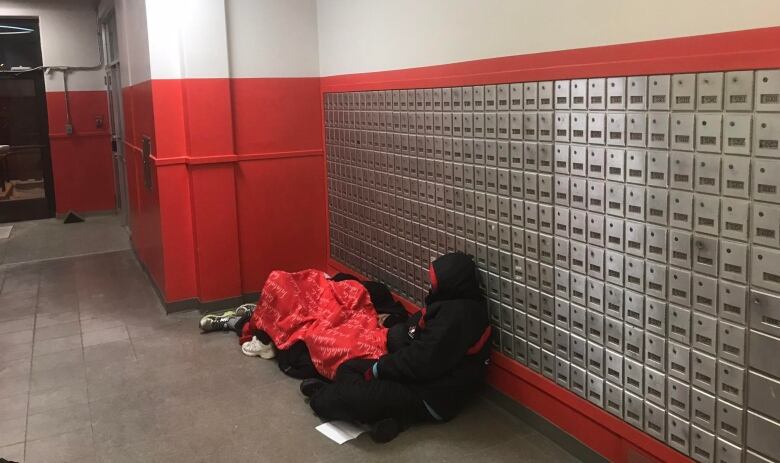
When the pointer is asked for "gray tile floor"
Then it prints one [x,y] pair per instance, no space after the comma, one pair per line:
[51,239]
[91,369]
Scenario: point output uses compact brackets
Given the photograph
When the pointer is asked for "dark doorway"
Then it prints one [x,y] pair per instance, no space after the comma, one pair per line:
[26,189]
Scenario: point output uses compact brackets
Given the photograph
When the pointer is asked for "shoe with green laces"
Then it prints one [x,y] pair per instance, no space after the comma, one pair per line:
[226,319]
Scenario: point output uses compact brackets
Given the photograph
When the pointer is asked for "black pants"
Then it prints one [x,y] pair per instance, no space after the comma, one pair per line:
[351,398]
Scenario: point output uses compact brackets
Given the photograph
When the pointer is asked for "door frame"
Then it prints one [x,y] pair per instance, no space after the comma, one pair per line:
[21,210]
[113,81]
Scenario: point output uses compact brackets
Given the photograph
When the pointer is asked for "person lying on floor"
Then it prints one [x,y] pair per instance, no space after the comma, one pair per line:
[313,323]
[435,363]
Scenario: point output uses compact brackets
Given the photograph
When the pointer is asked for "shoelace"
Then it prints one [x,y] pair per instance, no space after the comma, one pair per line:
[254,344]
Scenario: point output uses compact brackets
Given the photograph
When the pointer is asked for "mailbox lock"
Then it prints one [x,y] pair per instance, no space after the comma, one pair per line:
[699,245]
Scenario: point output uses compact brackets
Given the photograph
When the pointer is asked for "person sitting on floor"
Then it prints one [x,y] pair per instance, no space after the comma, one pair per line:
[435,362]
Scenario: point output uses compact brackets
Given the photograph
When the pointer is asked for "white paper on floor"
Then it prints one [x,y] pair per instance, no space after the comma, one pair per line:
[5,231]
[340,431]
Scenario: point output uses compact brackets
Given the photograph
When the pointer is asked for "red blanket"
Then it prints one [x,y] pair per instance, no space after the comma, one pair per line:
[335,320]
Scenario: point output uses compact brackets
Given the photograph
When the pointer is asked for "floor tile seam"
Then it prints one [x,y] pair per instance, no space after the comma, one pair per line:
[86,380]
[57,434]
[29,389]
[11,265]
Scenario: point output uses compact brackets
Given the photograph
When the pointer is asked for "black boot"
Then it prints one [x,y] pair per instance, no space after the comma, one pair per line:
[310,386]
[385,430]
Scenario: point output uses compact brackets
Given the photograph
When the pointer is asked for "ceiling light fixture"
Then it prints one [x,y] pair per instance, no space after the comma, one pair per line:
[13,30]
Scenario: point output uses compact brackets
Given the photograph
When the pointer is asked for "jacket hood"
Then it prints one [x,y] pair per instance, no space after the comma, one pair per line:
[453,276]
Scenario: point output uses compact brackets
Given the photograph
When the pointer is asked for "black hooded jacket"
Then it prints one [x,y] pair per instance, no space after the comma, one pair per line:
[442,351]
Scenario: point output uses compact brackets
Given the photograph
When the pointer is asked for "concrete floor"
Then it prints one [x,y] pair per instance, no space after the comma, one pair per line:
[91,369]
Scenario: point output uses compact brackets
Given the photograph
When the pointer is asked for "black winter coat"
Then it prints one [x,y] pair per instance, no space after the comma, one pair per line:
[443,351]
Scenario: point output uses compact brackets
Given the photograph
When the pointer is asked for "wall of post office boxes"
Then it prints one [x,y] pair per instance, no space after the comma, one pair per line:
[627,230]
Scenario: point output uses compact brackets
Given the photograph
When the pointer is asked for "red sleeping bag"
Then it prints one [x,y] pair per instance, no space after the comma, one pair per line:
[335,320]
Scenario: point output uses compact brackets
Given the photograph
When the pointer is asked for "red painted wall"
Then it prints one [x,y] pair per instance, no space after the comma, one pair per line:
[82,166]
[144,214]
[239,185]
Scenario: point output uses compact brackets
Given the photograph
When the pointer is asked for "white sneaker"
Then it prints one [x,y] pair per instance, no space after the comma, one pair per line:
[255,348]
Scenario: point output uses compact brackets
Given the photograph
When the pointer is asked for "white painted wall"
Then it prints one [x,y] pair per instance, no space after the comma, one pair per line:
[187,38]
[376,35]
[273,38]
[69,37]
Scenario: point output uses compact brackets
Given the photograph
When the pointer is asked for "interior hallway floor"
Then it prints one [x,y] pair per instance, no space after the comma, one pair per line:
[92,369]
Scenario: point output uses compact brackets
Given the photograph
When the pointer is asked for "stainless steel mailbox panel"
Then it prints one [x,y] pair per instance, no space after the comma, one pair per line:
[738,91]
[703,371]
[736,176]
[684,92]
[578,92]
[633,407]
[766,135]
[767,97]
[763,353]
[704,332]
[655,421]
[731,380]
[516,97]
[655,316]
[702,445]
[765,268]
[762,394]
[658,130]
[682,131]
[597,94]
[703,409]
[766,184]
[562,90]
[737,133]
[578,123]
[597,161]
[678,434]
[596,128]
[545,95]
[616,129]
[530,96]
[764,312]
[734,219]
[613,334]
[730,421]
[705,255]
[616,93]
[679,398]
[733,261]
[661,240]
[655,351]
[577,378]
[596,390]
[763,434]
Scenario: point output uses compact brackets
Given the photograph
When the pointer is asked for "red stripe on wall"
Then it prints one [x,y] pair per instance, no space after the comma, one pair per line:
[749,49]
[82,165]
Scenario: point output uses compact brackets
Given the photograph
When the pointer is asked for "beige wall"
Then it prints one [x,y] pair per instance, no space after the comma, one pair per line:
[374,35]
